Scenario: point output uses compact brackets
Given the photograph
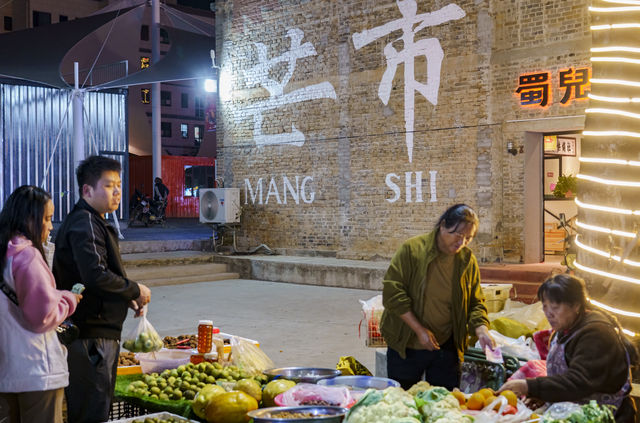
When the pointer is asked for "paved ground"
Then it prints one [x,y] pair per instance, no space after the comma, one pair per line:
[296,325]
[185,228]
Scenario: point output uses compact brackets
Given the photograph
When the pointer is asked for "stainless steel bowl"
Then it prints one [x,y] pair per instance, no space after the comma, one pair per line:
[335,414]
[302,374]
[360,382]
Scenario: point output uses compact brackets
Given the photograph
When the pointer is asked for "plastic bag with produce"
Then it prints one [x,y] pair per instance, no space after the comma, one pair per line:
[249,357]
[143,337]
[312,394]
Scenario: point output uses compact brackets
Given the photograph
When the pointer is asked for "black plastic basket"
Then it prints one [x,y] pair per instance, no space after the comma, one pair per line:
[125,410]
[478,373]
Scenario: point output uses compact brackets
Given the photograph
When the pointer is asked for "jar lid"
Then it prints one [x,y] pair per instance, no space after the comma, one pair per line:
[211,355]
[216,330]
[196,353]
[206,322]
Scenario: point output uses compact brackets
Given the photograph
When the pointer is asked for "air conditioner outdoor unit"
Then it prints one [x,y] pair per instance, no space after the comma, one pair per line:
[219,205]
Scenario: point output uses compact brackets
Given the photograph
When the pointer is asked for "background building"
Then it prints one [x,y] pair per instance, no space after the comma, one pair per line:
[351,126]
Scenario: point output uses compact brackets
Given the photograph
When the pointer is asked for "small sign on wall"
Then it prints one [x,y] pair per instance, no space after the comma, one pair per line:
[566,146]
[550,143]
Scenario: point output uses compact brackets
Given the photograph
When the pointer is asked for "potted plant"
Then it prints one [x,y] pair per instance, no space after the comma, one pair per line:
[566,186]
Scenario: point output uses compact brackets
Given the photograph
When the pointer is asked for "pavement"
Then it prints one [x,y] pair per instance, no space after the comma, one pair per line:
[296,325]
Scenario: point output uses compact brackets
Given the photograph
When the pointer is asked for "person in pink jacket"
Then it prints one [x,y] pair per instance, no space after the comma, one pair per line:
[33,364]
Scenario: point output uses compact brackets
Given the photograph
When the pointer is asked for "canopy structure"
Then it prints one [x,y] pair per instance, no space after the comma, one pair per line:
[45,54]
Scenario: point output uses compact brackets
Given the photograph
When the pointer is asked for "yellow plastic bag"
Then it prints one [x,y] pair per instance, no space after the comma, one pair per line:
[249,357]
[511,328]
[349,366]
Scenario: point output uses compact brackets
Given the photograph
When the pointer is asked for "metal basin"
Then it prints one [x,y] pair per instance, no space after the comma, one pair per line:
[302,374]
[360,382]
[335,414]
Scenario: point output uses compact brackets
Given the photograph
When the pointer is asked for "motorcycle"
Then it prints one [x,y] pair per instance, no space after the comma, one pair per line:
[146,211]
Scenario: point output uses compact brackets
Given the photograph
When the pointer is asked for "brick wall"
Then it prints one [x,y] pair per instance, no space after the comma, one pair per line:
[360,194]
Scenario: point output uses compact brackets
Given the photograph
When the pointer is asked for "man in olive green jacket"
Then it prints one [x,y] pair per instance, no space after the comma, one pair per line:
[432,296]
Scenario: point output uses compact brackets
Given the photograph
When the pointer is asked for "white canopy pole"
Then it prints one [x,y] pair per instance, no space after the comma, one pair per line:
[156,113]
[78,126]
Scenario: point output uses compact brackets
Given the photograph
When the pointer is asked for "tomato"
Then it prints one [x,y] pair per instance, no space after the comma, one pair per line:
[509,409]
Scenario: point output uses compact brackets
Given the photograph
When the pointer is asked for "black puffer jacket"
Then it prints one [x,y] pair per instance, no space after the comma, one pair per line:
[87,251]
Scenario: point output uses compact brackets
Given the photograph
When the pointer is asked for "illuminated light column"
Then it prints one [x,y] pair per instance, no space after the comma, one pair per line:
[609,181]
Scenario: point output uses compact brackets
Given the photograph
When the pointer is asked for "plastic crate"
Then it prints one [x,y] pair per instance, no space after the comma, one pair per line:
[495,294]
[162,415]
[371,322]
[123,410]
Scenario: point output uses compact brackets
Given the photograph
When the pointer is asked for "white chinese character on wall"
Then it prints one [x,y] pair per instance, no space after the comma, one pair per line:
[430,48]
[259,75]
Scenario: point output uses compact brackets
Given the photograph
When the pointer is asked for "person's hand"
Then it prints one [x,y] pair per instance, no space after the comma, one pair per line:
[518,386]
[133,305]
[427,339]
[78,297]
[485,338]
[145,295]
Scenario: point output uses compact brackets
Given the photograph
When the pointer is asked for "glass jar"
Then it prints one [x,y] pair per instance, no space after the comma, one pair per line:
[196,358]
[205,328]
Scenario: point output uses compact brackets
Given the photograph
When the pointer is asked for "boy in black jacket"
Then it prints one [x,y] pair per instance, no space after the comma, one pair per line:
[87,251]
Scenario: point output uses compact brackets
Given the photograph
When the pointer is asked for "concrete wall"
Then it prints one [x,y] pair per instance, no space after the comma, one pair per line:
[336,152]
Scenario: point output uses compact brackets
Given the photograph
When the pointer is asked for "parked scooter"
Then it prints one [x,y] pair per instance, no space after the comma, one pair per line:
[146,211]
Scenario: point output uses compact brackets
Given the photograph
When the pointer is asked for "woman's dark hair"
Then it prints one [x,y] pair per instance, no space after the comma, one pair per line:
[23,213]
[572,290]
[564,288]
[457,215]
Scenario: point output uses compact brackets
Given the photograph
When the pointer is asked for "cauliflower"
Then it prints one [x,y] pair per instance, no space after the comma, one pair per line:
[439,405]
[393,405]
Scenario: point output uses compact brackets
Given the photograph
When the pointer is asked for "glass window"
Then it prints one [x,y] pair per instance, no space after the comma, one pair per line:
[165,129]
[8,23]
[199,107]
[41,18]
[184,130]
[63,18]
[165,98]
[198,132]
[196,177]
[164,36]
[185,100]
[144,32]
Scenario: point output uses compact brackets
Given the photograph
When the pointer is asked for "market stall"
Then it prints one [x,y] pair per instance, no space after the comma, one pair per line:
[220,378]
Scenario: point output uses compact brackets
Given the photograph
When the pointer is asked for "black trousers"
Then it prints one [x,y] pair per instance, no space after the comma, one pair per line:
[93,363]
[439,368]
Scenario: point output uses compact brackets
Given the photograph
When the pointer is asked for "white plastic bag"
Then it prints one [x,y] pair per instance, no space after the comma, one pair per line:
[372,310]
[521,347]
[249,357]
[143,337]
[306,393]
[530,315]
[489,415]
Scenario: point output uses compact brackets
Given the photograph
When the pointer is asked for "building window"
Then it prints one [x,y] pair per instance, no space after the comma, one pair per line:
[184,130]
[199,107]
[196,177]
[63,18]
[145,93]
[165,98]
[144,32]
[185,100]
[41,18]
[198,132]
[165,129]
[8,23]
[144,62]
[164,36]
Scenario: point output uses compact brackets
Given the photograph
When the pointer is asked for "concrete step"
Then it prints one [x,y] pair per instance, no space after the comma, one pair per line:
[181,280]
[166,258]
[510,273]
[154,246]
[175,271]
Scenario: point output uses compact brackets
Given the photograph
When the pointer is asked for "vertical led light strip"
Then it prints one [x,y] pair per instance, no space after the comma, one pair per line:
[610,138]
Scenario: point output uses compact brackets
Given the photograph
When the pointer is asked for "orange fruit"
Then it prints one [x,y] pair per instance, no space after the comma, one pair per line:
[486,392]
[488,400]
[476,401]
[533,416]
[459,396]
[511,397]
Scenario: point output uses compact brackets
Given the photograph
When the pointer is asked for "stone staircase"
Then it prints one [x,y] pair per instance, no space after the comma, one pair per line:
[525,278]
[168,264]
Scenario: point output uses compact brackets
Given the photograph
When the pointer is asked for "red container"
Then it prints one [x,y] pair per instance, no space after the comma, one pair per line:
[173,176]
